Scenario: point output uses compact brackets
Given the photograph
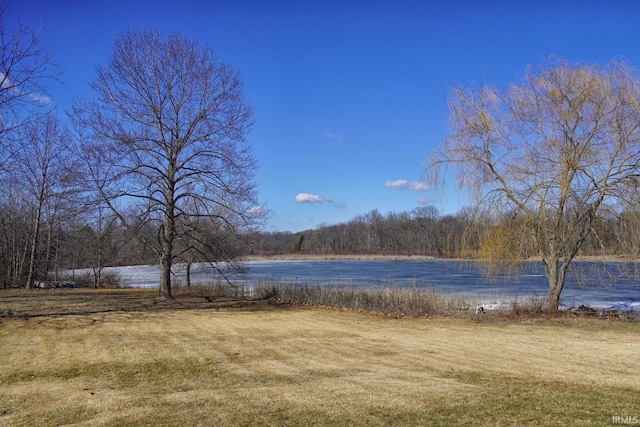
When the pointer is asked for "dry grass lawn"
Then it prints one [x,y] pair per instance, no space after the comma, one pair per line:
[120,358]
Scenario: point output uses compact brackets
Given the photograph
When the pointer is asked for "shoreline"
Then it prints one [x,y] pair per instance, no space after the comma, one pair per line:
[333,257]
[382,257]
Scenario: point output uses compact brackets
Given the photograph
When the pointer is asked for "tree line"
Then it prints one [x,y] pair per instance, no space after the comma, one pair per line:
[424,231]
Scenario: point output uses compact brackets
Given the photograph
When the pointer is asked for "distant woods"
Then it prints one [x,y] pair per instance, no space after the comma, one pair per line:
[425,232]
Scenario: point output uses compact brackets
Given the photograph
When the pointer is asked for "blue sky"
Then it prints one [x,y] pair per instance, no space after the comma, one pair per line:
[349,96]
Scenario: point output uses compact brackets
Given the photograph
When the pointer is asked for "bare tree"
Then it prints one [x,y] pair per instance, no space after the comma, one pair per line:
[25,69]
[15,229]
[43,167]
[552,150]
[104,227]
[164,138]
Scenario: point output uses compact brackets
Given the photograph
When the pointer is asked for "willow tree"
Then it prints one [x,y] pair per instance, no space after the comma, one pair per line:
[164,142]
[552,150]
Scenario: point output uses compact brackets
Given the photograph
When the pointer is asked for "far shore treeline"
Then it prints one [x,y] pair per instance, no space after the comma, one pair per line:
[425,231]
[420,232]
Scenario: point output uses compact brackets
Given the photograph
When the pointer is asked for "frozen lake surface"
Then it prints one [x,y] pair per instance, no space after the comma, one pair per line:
[598,285]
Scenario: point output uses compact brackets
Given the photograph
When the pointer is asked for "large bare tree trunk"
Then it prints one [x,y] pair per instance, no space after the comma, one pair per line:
[166,258]
[555,289]
[556,272]
[167,237]
[165,273]
[555,286]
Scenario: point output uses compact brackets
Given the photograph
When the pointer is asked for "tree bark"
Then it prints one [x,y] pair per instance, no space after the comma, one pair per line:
[556,274]
[188,274]
[35,241]
[166,258]
[555,289]
[165,273]
[168,233]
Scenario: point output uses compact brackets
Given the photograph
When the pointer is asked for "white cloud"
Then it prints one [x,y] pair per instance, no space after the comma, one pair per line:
[419,186]
[311,198]
[37,98]
[398,183]
[256,211]
[403,184]
[6,83]
[314,198]
[40,99]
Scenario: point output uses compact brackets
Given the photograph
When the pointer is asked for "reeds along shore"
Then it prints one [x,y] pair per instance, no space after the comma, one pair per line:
[394,301]
[388,300]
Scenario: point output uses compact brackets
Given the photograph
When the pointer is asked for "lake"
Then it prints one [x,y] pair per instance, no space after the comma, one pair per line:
[600,285]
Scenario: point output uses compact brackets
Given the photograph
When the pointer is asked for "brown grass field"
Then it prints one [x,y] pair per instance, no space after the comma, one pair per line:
[121,357]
